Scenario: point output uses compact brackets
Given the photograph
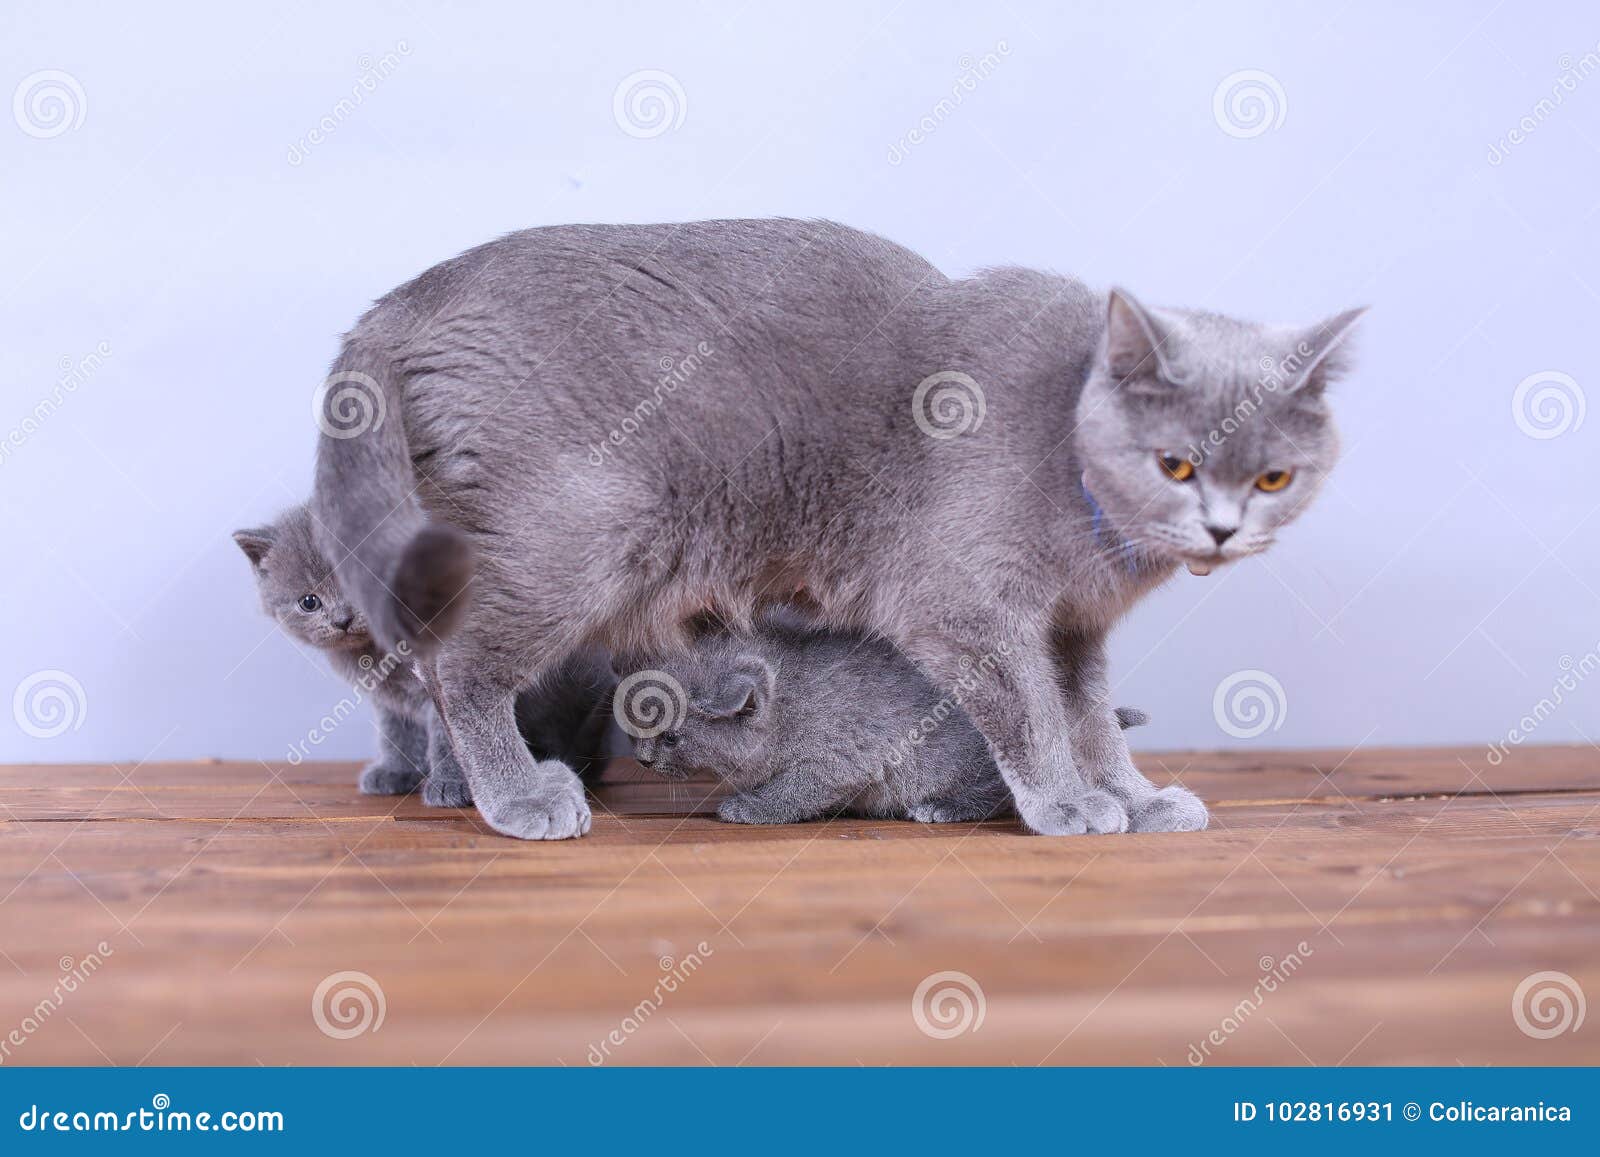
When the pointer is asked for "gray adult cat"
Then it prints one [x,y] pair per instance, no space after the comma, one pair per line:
[565,720]
[807,723]
[523,431]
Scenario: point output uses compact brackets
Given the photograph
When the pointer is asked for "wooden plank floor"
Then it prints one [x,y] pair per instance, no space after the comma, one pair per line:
[1374,907]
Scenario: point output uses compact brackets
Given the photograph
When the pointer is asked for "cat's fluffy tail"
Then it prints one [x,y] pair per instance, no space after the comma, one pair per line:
[408,576]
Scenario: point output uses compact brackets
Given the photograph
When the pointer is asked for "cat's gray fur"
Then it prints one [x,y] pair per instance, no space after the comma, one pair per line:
[567,720]
[807,723]
[536,486]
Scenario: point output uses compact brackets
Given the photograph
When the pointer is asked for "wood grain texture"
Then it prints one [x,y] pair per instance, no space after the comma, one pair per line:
[1367,907]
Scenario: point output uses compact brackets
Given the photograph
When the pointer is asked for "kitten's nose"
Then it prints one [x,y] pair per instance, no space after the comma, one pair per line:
[1221,534]
[343,621]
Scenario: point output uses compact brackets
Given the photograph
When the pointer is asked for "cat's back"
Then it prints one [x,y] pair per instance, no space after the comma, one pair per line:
[845,678]
[730,267]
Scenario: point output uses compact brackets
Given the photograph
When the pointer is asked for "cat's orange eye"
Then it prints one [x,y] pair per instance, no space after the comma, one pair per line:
[1273,480]
[1177,469]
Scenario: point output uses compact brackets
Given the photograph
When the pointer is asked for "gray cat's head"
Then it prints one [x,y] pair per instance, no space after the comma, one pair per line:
[1200,435]
[720,713]
[297,585]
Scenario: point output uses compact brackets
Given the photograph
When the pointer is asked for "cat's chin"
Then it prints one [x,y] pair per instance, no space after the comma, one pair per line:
[348,643]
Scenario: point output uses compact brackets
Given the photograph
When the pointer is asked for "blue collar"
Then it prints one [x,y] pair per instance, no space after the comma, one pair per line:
[1131,558]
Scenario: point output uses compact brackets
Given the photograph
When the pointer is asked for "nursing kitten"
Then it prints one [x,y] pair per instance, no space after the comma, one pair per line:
[808,723]
[566,720]
[608,429]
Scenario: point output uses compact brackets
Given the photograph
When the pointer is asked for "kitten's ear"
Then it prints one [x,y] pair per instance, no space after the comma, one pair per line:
[1136,340]
[255,543]
[743,691]
[1322,353]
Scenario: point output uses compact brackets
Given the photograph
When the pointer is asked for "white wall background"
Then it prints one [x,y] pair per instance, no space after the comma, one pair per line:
[1433,595]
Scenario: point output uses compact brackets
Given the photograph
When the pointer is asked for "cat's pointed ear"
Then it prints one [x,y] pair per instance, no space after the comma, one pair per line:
[744,691]
[1322,353]
[1136,340]
[255,543]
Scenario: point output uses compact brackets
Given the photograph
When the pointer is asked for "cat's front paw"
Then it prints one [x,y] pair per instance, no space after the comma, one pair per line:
[386,779]
[1172,809]
[1092,813]
[747,809]
[437,792]
[558,810]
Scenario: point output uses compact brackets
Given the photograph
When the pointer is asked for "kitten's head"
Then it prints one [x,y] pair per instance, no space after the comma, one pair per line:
[718,717]
[1200,436]
[297,584]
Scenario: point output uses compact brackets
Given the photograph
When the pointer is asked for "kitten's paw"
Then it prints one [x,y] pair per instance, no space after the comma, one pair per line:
[446,792]
[386,779]
[1172,809]
[558,812]
[944,812]
[1093,813]
[745,809]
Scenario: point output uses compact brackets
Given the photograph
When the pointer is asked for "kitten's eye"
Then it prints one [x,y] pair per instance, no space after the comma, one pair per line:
[1177,469]
[1273,480]
[669,739]
[309,603]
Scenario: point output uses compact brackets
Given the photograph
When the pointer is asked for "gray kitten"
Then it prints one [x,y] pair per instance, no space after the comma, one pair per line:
[591,434]
[566,720]
[808,723]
